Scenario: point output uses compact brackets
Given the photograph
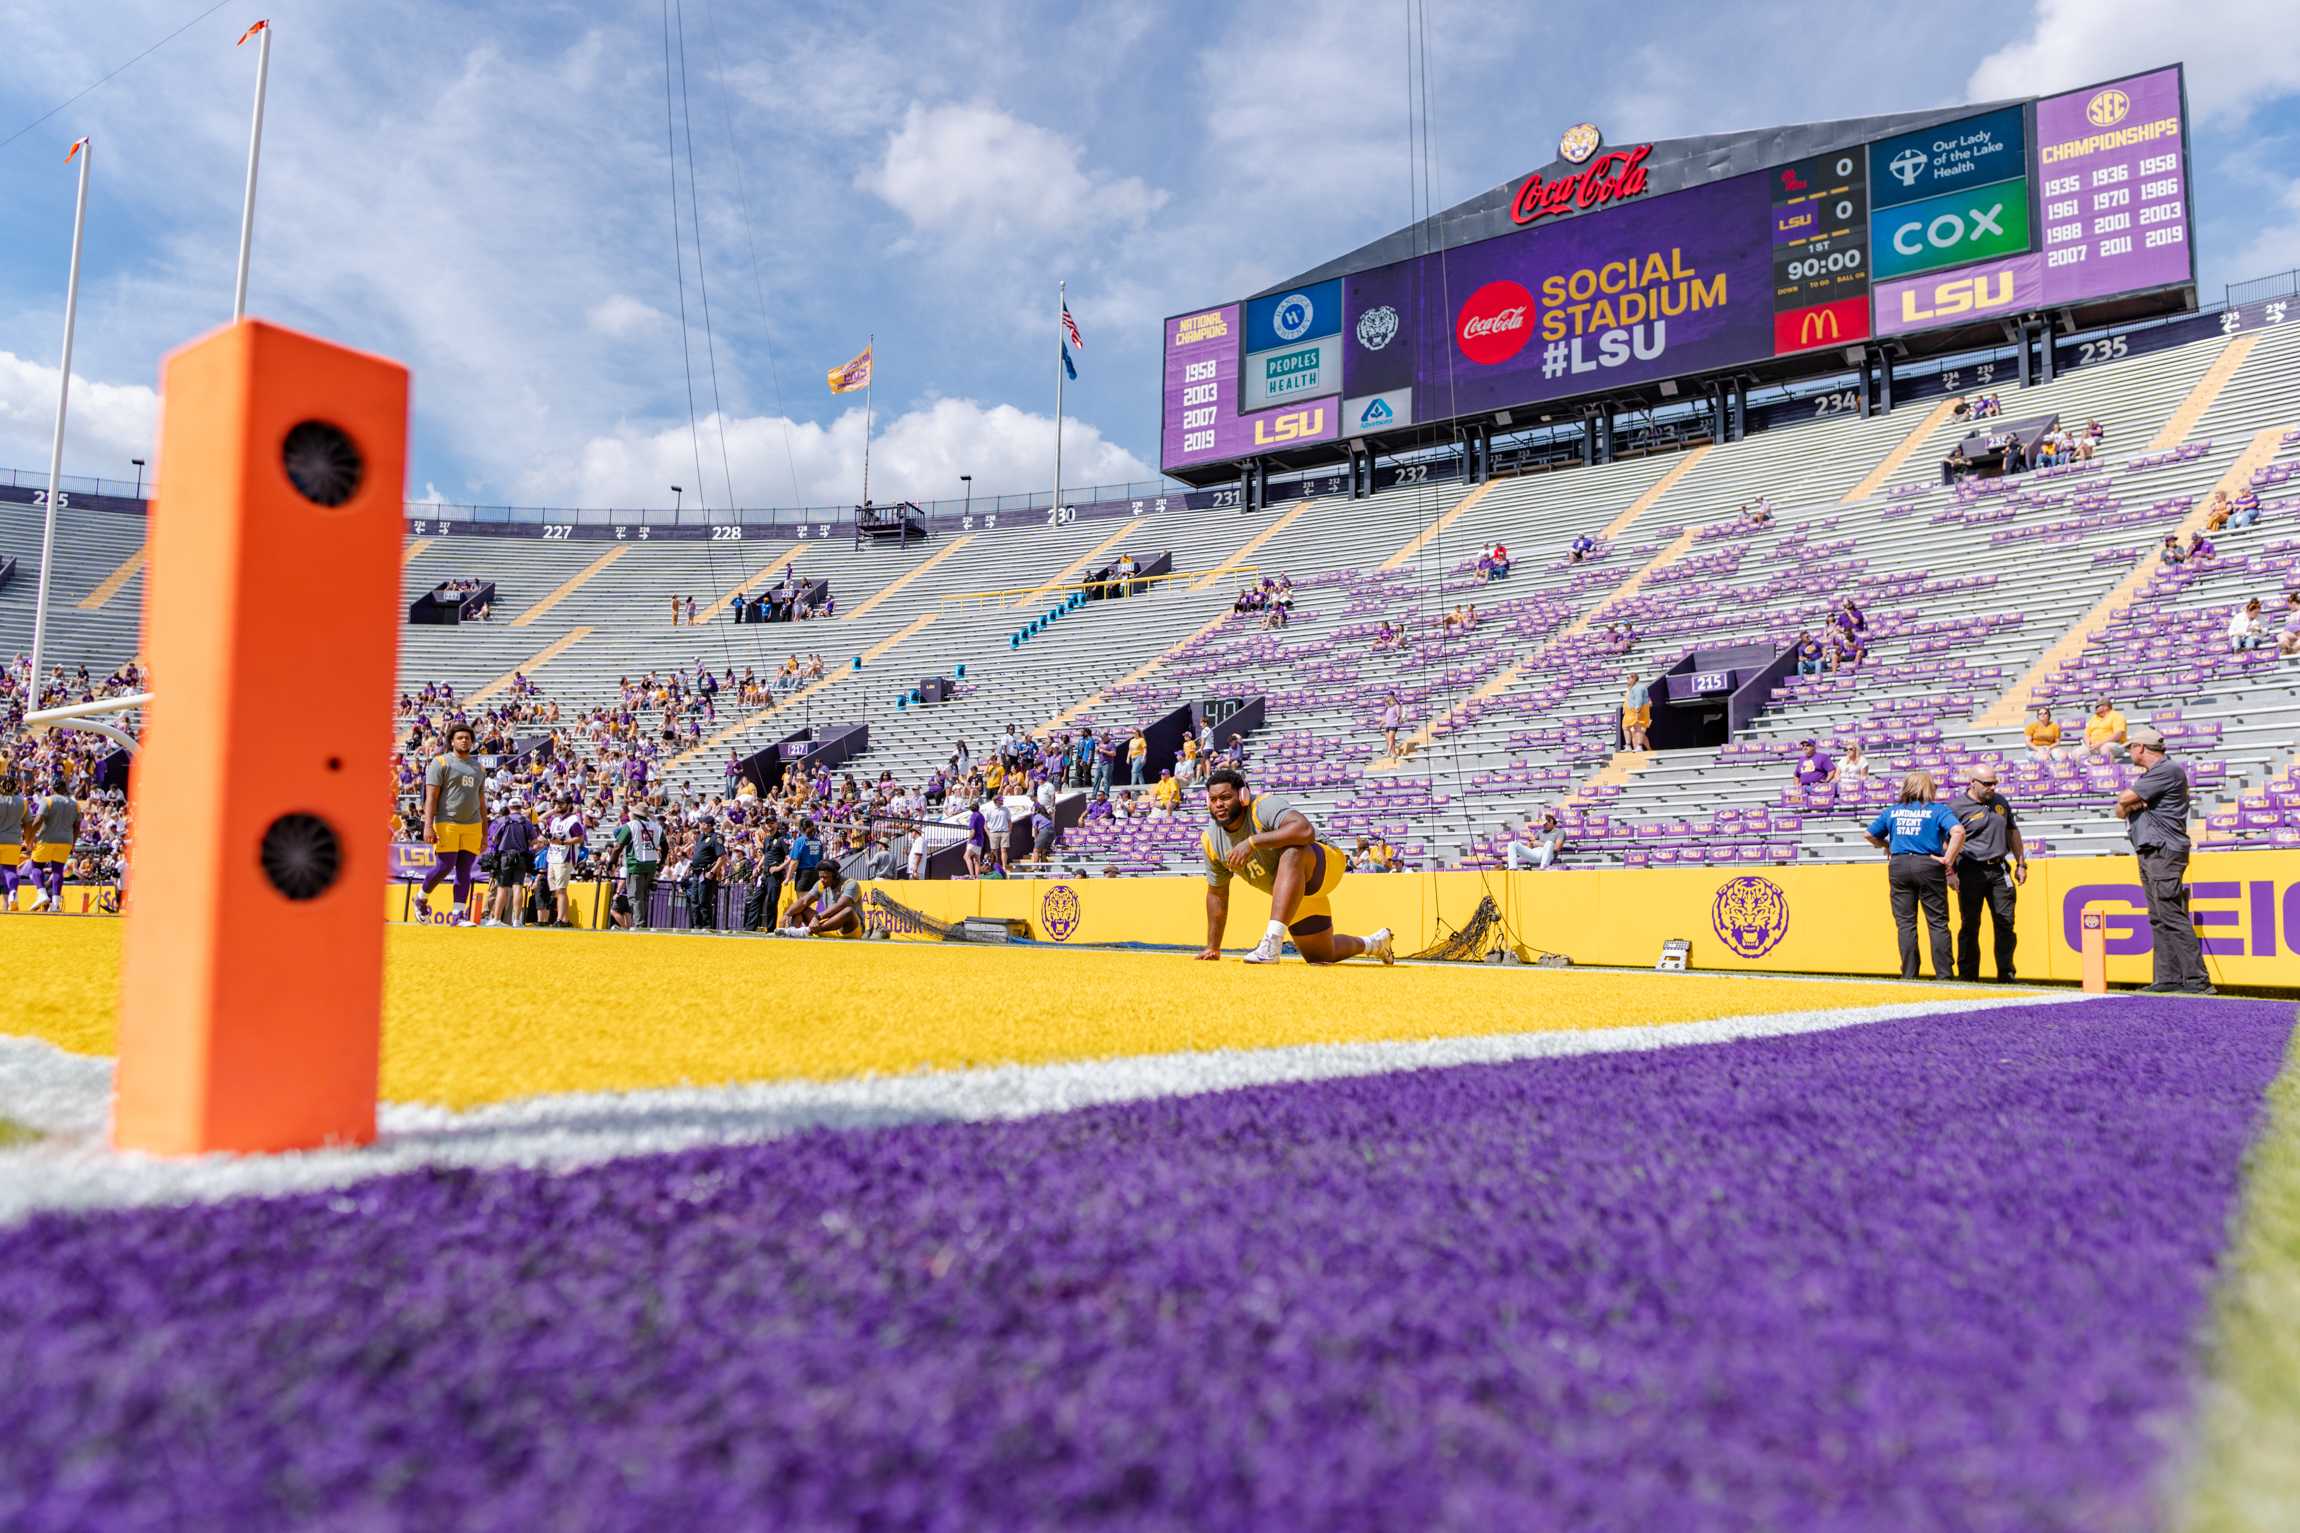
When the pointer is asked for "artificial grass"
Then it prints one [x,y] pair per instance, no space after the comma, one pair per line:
[477,1016]
[2244,1471]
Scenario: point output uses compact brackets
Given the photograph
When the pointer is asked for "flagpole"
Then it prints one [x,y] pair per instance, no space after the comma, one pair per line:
[870,381]
[56,448]
[1062,298]
[255,154]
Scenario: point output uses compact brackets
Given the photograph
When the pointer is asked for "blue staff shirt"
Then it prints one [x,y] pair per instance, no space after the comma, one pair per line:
[1919,829]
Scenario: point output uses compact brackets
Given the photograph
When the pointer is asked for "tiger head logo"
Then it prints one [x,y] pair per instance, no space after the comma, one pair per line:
[1750,915]
[1058,913]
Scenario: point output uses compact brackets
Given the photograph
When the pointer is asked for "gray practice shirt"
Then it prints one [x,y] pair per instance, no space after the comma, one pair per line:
[12,808]
[1988,827]
[2162,826]
[59,822]
[461,796]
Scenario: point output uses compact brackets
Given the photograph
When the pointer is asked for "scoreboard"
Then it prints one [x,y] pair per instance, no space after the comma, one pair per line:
[2003,212]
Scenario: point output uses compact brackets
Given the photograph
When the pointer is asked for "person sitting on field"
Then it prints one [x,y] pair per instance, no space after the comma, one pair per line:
[829,909]
[1270,843]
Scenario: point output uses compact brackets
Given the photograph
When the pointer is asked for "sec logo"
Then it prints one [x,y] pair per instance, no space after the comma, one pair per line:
[2107,108]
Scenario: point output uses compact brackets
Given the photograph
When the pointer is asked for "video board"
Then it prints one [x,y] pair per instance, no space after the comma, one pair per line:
[2066,199]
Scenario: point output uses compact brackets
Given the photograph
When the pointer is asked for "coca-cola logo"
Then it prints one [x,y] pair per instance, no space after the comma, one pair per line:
[1496,322]
[1614,176]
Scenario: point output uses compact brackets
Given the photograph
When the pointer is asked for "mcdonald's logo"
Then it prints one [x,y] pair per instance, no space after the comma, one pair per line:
[1821,324]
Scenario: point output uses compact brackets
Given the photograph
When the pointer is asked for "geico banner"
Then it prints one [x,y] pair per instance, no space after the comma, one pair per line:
[1993,288]
[1659,289]
[1832,919]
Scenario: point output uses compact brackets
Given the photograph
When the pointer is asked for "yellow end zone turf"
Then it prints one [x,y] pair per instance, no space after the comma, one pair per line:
[474,1016]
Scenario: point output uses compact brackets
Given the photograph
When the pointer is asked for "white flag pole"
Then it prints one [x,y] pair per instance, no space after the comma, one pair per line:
[255,154]
[1062,299]
[87,153]
[870,382]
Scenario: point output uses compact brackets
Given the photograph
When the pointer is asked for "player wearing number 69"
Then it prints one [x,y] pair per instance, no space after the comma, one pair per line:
[1265,840]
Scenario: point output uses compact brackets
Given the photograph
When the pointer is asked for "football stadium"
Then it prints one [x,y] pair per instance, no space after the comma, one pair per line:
[728,1011]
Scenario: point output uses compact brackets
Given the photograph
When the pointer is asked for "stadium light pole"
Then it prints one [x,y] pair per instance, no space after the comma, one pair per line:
[968,481]
[263,31]
[86,154]
[139,477]
[676,492]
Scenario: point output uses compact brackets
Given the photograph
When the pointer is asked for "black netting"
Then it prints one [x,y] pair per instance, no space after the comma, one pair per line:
[1485,933]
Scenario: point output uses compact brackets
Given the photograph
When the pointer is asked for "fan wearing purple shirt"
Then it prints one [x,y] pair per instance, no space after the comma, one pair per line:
[1815,767]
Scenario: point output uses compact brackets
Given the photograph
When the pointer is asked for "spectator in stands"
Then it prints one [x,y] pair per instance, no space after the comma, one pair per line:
[1923,840]
[1636,715]
[998,827]
[2043,736]
[1583,547]
[1356,858]
[1137,757]
[676,608]
[1846,651]
[1498,556]
[2200,549]
[2104,731]
[1107,750]
[2217,514]
[2170,555]
[1757,513]
[1853,767]
[1618,638]
[2245,510]
[2247,629]
[1812,656]
[1393,719]
[1539,843]
[1955,465]
[1815,767]
[1165,797]
[2288,641]
[2088,439]
[1388,637]
[1851,618]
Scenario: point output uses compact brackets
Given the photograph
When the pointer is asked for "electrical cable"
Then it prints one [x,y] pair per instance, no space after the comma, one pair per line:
[107,79]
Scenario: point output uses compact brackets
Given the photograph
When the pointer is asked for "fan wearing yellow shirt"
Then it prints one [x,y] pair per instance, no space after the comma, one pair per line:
[2104,731]
[2043,736]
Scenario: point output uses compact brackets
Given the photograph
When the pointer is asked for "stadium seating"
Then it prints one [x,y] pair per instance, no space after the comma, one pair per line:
[1968,591]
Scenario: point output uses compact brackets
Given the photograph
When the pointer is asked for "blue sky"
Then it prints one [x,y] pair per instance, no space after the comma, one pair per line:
[483,192]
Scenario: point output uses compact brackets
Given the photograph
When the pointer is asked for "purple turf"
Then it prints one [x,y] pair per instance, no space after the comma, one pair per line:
[1935,1274]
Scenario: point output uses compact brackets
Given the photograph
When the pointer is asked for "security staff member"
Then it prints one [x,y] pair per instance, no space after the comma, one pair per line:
[705,864]
[2155,814]
[1993,864]
[1922,840]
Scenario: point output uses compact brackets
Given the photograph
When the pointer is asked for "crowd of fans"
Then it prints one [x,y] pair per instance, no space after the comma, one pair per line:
[1272,599]
[72,762]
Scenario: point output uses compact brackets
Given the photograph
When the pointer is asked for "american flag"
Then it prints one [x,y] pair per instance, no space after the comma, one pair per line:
[1070,327]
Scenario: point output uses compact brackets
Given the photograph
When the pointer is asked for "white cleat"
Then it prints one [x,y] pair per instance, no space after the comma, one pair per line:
[1378,946]
[40,902]
[1266,951]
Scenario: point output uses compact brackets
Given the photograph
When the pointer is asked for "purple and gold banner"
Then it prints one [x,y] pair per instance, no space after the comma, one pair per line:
[1958,296]
[2113,186]
[1198,420]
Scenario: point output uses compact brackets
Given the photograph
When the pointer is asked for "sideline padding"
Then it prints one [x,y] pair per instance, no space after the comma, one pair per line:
[1819,919]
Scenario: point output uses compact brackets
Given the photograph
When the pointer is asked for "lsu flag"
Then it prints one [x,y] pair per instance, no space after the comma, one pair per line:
[853,375]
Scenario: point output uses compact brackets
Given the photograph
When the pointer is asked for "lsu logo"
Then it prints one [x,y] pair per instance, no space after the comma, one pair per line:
[1750,915]
[2107,108]
[1059,912]
[1294,426]
[1979,294]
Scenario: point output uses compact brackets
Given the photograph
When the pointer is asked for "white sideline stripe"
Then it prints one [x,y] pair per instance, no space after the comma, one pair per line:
[68,1096]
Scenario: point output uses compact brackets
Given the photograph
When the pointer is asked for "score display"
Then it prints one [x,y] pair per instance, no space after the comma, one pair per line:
[2114,185]
[1820,251]
[1993,214]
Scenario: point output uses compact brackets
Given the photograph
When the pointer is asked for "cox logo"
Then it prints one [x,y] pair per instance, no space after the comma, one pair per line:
[1949,230]
[1293,315]
[1496,322]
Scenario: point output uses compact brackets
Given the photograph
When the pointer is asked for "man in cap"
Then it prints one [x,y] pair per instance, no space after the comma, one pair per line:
[1992,864]
[2155,814]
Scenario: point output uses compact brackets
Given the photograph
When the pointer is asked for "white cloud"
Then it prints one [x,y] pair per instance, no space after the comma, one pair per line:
[971,169]
[915,456]
[622,315]
[2276,247]
[2239,52]
[107,424]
